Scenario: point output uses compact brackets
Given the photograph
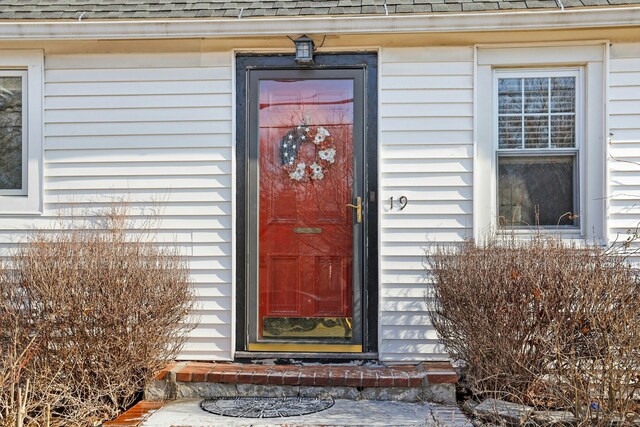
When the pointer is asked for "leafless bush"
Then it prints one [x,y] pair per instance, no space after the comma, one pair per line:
[542,322]
[87,314]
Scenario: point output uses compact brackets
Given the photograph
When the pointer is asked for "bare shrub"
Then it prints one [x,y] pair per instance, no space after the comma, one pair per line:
[542,322]
[88,313]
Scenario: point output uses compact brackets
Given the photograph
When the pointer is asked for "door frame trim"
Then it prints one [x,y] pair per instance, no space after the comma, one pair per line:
[369,269]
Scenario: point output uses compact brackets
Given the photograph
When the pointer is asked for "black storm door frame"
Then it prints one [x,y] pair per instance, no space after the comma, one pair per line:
[246,64]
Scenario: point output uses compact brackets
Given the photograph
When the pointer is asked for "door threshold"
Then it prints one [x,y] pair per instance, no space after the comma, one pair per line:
[249,355]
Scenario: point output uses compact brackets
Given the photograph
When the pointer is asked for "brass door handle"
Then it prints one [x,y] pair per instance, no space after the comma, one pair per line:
[358,208]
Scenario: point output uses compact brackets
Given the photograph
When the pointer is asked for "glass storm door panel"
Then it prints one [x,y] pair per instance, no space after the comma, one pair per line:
[307,234]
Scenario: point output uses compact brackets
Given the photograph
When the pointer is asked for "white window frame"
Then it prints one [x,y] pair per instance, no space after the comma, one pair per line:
[28,64]
[577,73]
[589,59]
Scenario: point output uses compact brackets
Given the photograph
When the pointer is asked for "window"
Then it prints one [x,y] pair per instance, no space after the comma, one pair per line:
[21,132]
[540,140]
[537,122]
[13,147]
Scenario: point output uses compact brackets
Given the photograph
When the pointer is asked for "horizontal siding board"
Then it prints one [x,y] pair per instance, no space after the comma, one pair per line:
[147,182]
[625,136]
[630,78]
[625,50]
[151,140]
[624,107]
[210,331]
[208,127]
[420,236]
[97,115]
[136,60]
[138,168]
[135,222]
[403,151]
[139,101]
[622,65]
[426,109]
[410,290]
[427,95]
[625,93]
[416,56]
[425,179]
[430,124]
[161,207]
[412,347]
[430,207]
[428,82]
[130,195]
[159,154]
[418,332]
[627,121]
[430,69]
[427,165]
[430,193]
[146,74]
[137,88]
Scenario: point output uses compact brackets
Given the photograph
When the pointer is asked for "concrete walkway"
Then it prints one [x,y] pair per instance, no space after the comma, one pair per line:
[187,413]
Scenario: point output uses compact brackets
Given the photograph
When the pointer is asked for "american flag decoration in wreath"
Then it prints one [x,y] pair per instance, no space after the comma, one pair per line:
[325,153]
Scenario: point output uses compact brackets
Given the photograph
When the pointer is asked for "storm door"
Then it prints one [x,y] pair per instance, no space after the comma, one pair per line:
[306,212]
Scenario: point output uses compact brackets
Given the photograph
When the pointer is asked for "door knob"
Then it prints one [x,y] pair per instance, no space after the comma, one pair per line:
[358,208]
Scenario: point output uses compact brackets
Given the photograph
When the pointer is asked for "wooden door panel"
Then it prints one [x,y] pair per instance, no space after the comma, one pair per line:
[331,272]
[283,293]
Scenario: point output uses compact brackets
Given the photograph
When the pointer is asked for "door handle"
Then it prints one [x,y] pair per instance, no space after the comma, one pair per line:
[358,208]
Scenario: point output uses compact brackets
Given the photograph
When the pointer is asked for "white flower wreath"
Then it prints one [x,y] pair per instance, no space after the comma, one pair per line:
[325,152]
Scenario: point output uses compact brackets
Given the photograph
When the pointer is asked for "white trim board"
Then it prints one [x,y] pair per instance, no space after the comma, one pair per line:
[388,24]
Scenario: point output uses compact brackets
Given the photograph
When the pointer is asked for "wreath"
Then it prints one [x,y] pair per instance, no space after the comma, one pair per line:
[325,152]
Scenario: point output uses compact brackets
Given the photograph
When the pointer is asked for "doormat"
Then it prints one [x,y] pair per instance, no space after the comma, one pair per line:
[265,407]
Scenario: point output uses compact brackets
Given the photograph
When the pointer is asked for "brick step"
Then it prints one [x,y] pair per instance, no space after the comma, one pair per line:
[136,415]
[432,381]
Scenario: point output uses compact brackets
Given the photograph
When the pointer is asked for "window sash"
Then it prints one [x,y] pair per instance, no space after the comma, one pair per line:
[24,140]
[541,159]
[548,113]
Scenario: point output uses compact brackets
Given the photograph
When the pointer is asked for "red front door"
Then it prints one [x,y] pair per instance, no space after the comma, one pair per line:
[306,228]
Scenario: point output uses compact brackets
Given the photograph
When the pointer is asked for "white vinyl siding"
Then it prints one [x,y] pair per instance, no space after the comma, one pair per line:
[153,130]
[624,139]
[426,155]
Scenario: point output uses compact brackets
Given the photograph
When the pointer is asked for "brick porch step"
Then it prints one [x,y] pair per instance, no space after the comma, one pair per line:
[136,415]
[314,375]
[431,381]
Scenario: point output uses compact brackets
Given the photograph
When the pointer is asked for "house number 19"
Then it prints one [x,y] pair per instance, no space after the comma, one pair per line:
[403,202]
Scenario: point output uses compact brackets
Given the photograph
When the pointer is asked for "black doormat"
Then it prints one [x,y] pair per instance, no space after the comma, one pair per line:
[265,407]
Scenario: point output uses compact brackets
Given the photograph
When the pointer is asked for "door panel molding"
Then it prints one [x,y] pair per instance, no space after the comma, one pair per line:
[246,222]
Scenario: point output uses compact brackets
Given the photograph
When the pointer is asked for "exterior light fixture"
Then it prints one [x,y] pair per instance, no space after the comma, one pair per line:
[304,50]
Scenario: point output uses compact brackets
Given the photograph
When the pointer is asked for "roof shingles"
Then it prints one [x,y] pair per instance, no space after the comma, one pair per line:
[145,9]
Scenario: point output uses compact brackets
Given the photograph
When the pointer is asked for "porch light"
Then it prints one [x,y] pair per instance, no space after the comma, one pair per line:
[304,50]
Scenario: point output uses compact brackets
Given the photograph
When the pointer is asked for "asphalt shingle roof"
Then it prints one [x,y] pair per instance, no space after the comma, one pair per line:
[149,9]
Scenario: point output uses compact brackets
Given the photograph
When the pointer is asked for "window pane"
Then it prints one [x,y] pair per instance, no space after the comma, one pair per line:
[563,94]
[536,191]
[563,130]
[536,131]
[10,133]
[510,132]
[509,96]
[536,94]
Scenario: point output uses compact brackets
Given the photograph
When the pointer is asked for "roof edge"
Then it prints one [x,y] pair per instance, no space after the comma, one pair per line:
[373,24]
